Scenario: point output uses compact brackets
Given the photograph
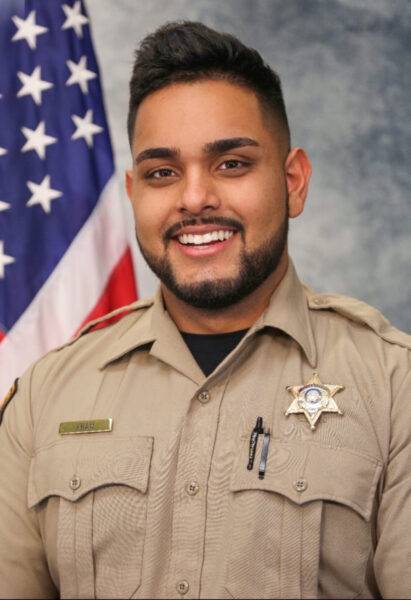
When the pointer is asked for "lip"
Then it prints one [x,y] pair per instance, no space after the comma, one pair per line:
[204,250]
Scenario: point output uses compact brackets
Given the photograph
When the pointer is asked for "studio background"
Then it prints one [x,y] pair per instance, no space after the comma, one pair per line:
[345,69]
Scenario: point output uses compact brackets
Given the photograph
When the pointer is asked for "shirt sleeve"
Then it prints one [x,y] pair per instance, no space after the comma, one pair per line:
[23,566]
[392,560]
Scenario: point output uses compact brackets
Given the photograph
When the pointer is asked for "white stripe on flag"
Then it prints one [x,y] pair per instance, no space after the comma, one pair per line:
[71,291]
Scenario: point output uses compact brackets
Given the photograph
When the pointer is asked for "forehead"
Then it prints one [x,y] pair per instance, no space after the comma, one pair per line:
[186,114]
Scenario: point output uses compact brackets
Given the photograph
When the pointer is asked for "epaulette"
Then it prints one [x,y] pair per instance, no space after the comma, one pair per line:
[359,312]
[109,318]
[114,315]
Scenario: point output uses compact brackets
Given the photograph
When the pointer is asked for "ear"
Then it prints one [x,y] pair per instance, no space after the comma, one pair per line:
[128,180]
[298,173]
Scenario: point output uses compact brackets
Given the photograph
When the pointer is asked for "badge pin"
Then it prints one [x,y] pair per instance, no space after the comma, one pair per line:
[93,426]
[313,398]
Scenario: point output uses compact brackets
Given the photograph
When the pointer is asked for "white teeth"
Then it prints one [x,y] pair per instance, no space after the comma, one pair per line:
[206,238]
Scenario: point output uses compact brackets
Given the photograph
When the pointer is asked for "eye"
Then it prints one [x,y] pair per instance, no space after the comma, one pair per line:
[162,173]
[234,165]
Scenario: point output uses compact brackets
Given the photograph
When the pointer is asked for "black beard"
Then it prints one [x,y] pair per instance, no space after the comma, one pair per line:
[215,294]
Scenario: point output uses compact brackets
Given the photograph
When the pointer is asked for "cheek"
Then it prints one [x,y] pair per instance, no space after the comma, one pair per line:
[265,212]
[262,199]
[149,219]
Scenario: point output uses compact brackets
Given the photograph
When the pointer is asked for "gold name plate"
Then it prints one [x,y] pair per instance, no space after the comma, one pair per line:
[93,426]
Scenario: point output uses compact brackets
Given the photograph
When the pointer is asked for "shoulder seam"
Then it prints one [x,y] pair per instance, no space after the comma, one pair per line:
[345,306]
[128,308]
[134,306]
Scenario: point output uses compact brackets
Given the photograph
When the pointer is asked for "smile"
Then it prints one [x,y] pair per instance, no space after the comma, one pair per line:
[206,238]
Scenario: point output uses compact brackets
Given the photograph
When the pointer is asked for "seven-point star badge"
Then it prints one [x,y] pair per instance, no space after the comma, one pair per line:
[313,398]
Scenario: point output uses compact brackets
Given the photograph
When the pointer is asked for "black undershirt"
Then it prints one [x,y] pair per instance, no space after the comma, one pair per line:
[211,349]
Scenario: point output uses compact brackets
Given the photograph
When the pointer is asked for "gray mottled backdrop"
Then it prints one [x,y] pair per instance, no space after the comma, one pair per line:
[345,67]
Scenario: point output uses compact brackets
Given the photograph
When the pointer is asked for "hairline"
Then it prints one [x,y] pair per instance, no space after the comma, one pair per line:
[269,114]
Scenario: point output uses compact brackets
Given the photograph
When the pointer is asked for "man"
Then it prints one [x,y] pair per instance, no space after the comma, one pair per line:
[239,435]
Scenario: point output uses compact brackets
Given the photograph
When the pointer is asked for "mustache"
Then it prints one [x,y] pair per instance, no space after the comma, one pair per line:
[173,230]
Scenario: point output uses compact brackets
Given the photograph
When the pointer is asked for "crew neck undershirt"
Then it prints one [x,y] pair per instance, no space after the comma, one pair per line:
[211,349]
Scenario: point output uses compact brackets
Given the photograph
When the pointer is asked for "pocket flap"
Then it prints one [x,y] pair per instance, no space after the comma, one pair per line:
[71,468]
[304,472]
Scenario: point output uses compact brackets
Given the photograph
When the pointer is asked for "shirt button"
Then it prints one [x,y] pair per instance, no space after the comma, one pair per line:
[192,488]
[182,587]
[75,482]
[204,396]
[300,485]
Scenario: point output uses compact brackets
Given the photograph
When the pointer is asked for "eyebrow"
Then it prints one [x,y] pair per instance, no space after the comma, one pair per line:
[211,148]
[226,144]
[156,153]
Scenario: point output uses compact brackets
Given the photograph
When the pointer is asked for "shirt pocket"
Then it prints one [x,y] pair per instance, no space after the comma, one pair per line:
[277,523]
[101,485]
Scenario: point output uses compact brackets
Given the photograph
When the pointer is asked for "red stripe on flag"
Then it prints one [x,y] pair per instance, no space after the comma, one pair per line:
[120,290]
[2,335]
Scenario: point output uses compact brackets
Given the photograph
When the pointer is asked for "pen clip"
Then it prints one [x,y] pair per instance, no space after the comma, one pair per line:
[264,454]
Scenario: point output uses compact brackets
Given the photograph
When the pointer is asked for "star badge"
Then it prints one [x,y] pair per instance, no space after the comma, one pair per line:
[313,398]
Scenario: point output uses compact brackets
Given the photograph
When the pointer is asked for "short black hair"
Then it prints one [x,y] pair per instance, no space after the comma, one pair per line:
[188,51]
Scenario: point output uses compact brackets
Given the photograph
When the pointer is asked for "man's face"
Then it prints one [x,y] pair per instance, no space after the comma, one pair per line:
[208,191]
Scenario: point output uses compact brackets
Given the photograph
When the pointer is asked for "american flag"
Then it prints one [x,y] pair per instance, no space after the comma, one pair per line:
[64,251]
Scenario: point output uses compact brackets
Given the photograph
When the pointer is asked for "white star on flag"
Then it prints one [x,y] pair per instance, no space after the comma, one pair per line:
[33,85]
[3,151]
[85,127]
[4,259]
[74,18]
[4,206]
[27,29]
[43,194]
[37,139]
[80,74]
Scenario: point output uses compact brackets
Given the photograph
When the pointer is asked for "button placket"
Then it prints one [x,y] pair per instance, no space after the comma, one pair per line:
[189,516]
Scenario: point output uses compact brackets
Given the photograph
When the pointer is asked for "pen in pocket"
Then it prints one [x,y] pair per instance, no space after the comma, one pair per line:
[258,428]
[264,454]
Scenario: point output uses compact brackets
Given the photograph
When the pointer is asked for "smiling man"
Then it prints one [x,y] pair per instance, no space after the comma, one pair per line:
[237,436]
[213,185]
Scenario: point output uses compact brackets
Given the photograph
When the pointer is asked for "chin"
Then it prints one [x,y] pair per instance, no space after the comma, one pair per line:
[205,277]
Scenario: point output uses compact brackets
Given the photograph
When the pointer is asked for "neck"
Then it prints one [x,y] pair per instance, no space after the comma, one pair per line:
[241,315]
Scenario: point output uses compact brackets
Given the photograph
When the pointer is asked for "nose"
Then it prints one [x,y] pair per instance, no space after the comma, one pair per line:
[199,194]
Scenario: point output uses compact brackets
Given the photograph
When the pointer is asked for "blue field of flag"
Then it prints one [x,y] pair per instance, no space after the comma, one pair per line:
[55,153]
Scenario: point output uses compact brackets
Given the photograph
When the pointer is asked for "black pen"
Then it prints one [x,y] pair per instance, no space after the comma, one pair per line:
[253,442]
[264,454]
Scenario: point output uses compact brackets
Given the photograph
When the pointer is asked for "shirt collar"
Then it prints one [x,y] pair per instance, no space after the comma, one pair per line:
[287,311]
[156,329]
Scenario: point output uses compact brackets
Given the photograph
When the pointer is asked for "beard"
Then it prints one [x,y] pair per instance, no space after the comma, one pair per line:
[215,294]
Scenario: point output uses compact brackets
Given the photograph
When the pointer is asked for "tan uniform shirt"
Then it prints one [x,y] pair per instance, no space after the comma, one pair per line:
[163,505]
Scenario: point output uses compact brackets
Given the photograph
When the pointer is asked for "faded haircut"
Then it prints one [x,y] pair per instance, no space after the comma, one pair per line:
[187,51]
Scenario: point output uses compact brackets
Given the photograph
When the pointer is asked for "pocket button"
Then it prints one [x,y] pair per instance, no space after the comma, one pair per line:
[300,485]
[75,483]
[183,587]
